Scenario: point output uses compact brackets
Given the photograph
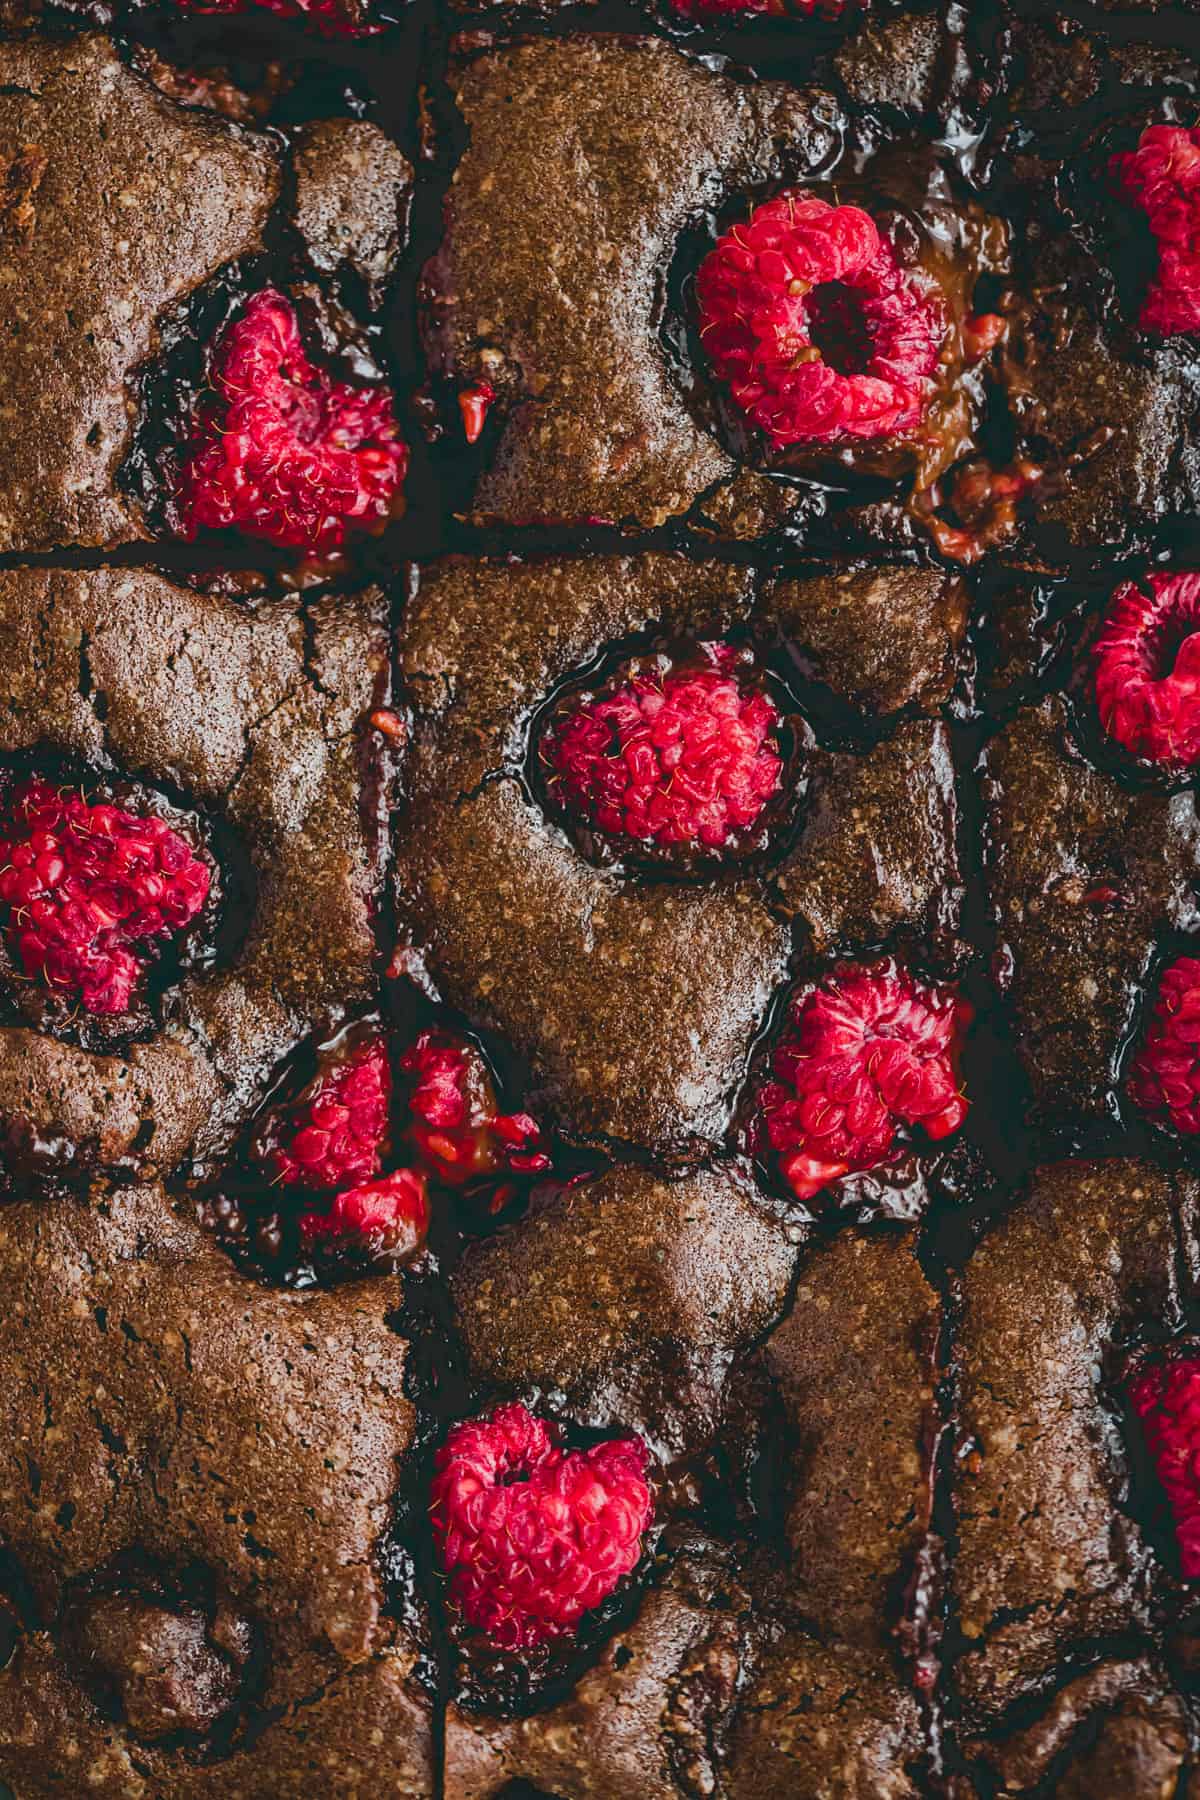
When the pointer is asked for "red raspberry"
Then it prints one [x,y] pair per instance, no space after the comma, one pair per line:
[822,337]
[282,450]
[688,757]
[389,1217]
[1147,659]
[332,18]
[336,1133]
[533,1536]
[1164,1079]
[806,9]
[866,1051]
[1166,1399]
[84,883]
[456,1130]
[1162,178]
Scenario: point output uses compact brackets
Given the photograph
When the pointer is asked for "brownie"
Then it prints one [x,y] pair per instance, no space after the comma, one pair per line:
[1049,1556]
[635,1000]
[187,1571]
[604,149]
[257,713]
[130,203]
[351,199]
[1086,874]
[627,1297]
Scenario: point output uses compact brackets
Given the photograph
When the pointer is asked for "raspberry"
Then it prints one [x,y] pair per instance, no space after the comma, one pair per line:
[332,18]
[1147,660]
[282,450]
[688,757]
[1164,1079]
[389,1217]
[821,336]
[87,882]
[1166,1399]
[866,1051]
[533,1536]
[1162,178]
[336,1132]
[807,9]
[456,1130]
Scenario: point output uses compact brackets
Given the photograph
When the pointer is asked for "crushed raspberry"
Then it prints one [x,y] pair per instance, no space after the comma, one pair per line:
[389,1217]
[1166,1399]
[336,1133]
[1162,178]
[1164,1078]
[456,1129]
[821,336]
[689,757]
[282,450]
[868,1050]
[807,9]
[90,888]
[332,18]
[531,1535]
[474,403]
[1147,661]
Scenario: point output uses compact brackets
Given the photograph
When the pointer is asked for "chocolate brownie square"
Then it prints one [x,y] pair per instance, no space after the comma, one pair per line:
[190,1577]
[252,718]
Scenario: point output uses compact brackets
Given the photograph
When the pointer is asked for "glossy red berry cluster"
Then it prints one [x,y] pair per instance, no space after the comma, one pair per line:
[454,1125]
[533,1536]
[1166,1399]
[1147,665]
[337,1131]
[282,450]
[867,1051]
[686,757]
[819,333]
[1164,1078]
[89,889]
[388,1217]
[1162,178]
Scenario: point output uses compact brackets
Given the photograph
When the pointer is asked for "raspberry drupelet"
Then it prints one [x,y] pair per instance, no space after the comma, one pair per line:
[1147,664]
[384,1218]
[332,18]
[1161,177]
[281,449]
[1166,1400]
[870,1049]
[90,889]
[533,1536]
[336,1133]
[1164,1078]
[687,757]
[456,1129]
[819,333]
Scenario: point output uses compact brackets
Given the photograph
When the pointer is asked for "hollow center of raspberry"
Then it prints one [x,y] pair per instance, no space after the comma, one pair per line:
[1164,642]
[839,328]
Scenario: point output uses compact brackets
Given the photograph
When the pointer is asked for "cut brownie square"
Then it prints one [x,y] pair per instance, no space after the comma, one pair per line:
[605,150]
[130,202]
[256,717]
[191,1576]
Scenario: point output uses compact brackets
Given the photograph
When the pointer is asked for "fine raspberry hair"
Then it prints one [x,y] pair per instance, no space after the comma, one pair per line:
[91,890]
[820,335]
[864,1053]
[284,451]
[1161,177]
[684,757]
[1147,667]
[1165,1397]
[1164,1078]
[533,1536]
